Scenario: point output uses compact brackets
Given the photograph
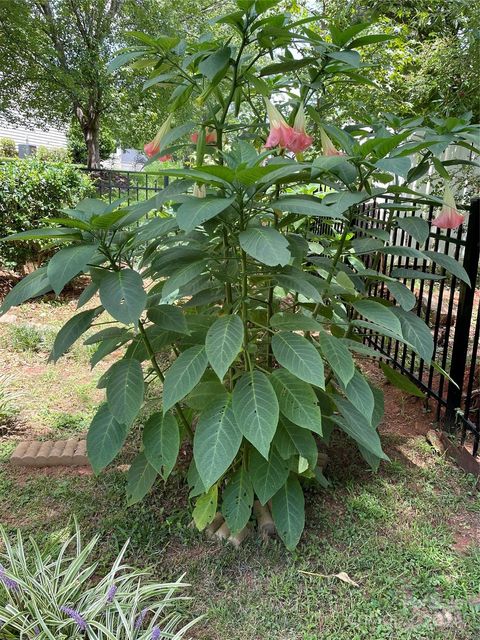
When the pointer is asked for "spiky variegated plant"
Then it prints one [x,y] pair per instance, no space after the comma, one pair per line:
[261,316]
[44,596]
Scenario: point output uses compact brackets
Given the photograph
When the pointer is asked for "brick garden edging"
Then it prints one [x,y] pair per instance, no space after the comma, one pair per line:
[51,453]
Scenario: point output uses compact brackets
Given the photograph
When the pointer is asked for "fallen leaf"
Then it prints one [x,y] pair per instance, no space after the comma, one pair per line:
[344,577]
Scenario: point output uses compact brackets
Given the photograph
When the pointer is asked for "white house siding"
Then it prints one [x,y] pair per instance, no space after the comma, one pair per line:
[51,138]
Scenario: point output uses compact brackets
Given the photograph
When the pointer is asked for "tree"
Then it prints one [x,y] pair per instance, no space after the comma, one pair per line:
[431,65]
[54,56]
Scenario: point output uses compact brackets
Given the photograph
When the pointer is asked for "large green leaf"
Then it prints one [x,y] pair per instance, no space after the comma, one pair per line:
[415,226]
[205,393]
[378,313]
[168,317]
[67,263]
[206,508]
[161,442]
[237,501]
[183,276]
[416,333]
[43,234]
[215,65]
[450,264]
[354,423]
[402,294]
[140,479]
[125,389]
[338,357]
[307,206]
[266,245]
[195,211]
[223,343]
[71,331]
[360,394]
[255,406]
[294,322]
[288,511]
[397,165]
[184,375]
[297,281]
[302,441]
[267,475]
[299,356]
[122,295]
[153,230]
[297,400]
[33,285]
[340,201]
[105,438]
[216,442]
[401,381]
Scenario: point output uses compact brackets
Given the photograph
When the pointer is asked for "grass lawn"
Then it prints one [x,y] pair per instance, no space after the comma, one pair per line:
[409,536]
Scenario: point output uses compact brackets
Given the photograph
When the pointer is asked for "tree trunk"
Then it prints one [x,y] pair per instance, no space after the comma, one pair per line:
[91,133]
[90,125]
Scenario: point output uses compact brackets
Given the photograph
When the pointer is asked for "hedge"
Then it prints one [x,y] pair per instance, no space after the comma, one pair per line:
[31,190]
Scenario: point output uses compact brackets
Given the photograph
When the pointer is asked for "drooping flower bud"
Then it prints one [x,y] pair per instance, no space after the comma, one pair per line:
[153,147]
[448,218]
[328,147]
[210,136]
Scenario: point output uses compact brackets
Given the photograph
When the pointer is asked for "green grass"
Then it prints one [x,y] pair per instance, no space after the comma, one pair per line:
[392,533]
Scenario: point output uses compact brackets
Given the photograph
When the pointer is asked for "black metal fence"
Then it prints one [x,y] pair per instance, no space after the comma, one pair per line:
[449,307]
[452,311]
[131,186]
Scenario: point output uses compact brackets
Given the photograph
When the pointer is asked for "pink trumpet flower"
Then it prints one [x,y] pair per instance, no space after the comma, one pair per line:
[448,218]
[283,135]
[301,140]
[153,147]
[328,147]
[210,137]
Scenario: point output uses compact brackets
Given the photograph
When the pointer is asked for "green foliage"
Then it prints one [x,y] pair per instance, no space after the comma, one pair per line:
[8,398]
[51,595]
[53,155]
[31,190]
[259,315]
[8,148]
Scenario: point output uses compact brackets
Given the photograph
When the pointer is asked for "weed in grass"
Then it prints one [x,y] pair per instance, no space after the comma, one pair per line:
[8,399]
[70,422]
[30,338]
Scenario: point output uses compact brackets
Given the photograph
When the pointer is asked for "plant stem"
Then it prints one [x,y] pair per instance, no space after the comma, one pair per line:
[159,373]
[335,261]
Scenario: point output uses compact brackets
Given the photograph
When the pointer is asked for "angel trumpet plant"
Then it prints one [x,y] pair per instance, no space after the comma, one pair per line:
[248,314]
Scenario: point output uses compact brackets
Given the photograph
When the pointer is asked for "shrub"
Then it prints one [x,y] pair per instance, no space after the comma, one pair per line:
[60,597]
[31,190]
[55,154]
[262,274]
[8,148]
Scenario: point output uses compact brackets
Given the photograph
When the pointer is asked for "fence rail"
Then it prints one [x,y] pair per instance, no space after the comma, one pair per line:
[449,307]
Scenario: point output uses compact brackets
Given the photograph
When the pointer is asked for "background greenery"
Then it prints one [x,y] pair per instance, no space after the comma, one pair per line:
[31,190]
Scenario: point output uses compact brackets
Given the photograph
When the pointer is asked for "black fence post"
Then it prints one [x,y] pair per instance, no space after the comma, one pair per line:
[464,315]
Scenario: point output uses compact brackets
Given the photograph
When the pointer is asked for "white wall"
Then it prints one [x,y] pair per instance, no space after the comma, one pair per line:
[21,134]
